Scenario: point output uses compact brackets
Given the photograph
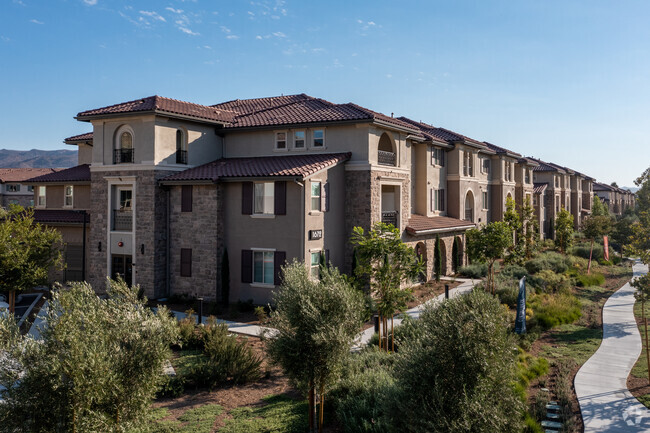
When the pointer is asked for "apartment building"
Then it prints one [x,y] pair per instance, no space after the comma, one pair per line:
[13,186]
[616,199]
[168,187]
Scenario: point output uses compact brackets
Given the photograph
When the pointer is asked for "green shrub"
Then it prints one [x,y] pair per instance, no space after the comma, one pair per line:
[554,310]
[405,331]
[549,260]
[616,260]
[476,270]
[189,337]
[531,425]
[577,263]
[582,250]
[604,262]
[172,387]
[507,293]
[594,279]
[512,271]
[547,244]
[550,282]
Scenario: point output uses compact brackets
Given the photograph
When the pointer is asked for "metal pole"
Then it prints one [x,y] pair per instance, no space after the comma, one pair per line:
[446,291]
[200,309]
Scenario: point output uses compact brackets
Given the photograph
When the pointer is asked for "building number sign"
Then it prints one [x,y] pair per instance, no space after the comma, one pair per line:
[315,234]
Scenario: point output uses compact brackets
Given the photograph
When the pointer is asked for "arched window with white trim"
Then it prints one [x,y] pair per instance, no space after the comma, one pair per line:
[181,146]
[123,149]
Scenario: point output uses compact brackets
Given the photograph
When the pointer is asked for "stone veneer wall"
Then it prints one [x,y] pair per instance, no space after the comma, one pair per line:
[150,223]
[447,241]
[23,200]
[201,230]
[357,208]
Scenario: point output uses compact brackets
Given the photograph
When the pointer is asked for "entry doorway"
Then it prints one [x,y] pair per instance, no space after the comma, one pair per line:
[122,266]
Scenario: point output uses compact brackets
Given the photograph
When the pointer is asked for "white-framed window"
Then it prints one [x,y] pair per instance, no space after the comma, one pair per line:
[68,198]
[508,171]
[437,200]
[263,267]
[557,181]
[486,198]
[263,198]
[485,166]
[30,188]
[527,175]
[468,164]
[314,265]
[318,138]
[535,200]
[41,196]
[437,157]
[12,187]
[299,139]
[281,140]
[316,196]
[126,199]
[557,204]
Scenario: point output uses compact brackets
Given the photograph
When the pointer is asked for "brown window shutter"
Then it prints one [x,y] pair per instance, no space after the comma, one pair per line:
[246,266]
[280,200]
[442,200]
[442,157]
[186,262]
[186,198]
[327,257]
[247,198]
[278,261]
[325,197]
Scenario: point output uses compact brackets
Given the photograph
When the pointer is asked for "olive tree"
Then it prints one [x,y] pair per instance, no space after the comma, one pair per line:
[564,230]
[457,375]
[27,251]
[489,244]
[512,218]
[316,323]
[388,263]
[97,367]
[594,227]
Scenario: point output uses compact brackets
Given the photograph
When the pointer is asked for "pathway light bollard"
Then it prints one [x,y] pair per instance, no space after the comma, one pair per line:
[375,318]
[200,309]
[446,291]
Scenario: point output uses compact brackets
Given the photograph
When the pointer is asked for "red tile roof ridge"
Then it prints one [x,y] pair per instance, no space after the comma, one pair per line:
[264,98]
[78,173]
[375,115]
[286,104]
[21,174]
[500,149]
[86,136]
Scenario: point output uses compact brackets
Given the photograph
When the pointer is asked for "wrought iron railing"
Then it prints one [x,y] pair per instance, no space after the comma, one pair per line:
[122,220]
[469,215]
[386,158]
[181,157]
[121,156]
[389,217]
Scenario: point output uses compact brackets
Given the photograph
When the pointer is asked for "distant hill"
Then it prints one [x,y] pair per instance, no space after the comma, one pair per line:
[35,158]
[631,188]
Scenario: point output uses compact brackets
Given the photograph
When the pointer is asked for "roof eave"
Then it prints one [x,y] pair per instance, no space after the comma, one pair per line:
[440,230]
[91,117]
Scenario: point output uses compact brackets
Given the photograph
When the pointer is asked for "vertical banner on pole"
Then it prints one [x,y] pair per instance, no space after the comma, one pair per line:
[520,321]
[606,247]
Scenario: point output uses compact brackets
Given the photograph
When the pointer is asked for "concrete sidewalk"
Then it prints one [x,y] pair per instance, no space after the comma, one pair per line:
[601,383]
[235,327]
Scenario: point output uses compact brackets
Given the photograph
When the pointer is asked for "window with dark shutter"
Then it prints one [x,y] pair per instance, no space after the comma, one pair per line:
[186,198]
[442,157]
[325,197]
[247,198]
[186,262]
[280,200]
[442,200]
[246,266]
[279,259]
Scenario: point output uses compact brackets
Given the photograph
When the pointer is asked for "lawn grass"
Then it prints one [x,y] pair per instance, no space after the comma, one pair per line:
[280,414]
[186,360]
[197,420]
[573,341]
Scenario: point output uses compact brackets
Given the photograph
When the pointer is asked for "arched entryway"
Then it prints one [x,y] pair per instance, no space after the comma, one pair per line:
[469,206]
[421,252]
[443,257]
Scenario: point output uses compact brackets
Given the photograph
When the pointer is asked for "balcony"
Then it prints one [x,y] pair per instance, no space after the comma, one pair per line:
[386,158]
[181,157]
[389,217]
[122,220]
[121,156]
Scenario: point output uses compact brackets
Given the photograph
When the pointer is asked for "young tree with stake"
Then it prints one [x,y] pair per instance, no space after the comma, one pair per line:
[489,244]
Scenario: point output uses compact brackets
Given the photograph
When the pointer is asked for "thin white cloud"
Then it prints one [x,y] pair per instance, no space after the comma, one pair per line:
[175,11]
[36,21]
[318,50]
[232,37]
[258,37]
[5,39]
[225,29]
[90,2]
[279,35]
[188,31]
[153,15]
[389,75]
[20,2]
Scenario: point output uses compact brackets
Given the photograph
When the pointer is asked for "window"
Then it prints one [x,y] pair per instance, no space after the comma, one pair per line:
[12,187]
[30,188]
[527,175]
[186,198]
[181,147]
[13,202]
[319,138]
[263,267]
[437,157]
[123,152]
[31,203]
[557,181]
[126,140]
[68,196]
[299,139]
[485,167]
[437,200]
[186,262]
[315,196]
[535,200]
[41,196]
[557,204]
[263,198]
[508,171]
[486,199]
[125,199]
[281,140]
[314,267]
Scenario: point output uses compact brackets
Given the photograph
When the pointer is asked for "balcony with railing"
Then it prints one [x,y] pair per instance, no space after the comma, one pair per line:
[389,217]
[181,157]
[122,220]
[122,156]
[386,158]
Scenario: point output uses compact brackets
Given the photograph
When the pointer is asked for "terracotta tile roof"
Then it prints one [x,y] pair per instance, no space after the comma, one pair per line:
[539,188]
[88,136]
[501,150]
[441,133]
[603,187]
[79,173]
[45,216]
[265,166]
[250,106]
[528,161]
[159,104]
[546,166]
[22,174]
[420,224]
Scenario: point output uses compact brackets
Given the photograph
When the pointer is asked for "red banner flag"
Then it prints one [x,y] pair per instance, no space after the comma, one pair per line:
[606,247]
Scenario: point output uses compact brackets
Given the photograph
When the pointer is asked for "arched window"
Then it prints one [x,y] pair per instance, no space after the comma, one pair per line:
[123,150]
[181,147]
[385,151]
[469,206]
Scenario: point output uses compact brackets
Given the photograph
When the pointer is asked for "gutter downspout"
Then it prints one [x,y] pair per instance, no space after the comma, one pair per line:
[167,258]
[304,217]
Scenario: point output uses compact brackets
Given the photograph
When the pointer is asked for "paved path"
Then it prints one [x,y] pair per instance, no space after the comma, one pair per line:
[235,327]
[466,286]
[601,383]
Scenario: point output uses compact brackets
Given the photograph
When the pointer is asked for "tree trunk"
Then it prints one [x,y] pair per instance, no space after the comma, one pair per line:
[591,251]
[311,406]
[322,408]
[392,334]
[12,301]
[386,333]
[379,322]
[647,349]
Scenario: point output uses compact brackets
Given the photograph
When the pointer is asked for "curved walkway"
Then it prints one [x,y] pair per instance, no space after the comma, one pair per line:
[601,383]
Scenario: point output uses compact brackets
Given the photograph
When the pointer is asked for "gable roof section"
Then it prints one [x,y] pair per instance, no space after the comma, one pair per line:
[23,174]
[545,166]
[420,224]
[257,167]
[442,134]
[160,105]
[502,150]
[604,187]
[79,173]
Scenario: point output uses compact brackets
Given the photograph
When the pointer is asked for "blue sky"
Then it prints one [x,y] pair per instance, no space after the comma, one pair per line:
[565,81]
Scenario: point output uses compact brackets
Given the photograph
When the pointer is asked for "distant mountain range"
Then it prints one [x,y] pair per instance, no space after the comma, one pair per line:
[38,158]
[631,188]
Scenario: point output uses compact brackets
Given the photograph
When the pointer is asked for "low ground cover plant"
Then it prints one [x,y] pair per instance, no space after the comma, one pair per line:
[475,270]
